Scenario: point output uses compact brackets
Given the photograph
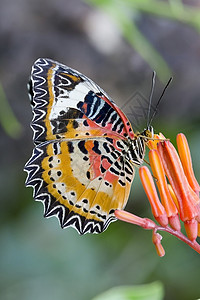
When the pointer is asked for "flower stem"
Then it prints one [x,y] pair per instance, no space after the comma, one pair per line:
[151,225]
[193,244]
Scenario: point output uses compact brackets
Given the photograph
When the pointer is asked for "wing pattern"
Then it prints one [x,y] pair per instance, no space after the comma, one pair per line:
[68,104]
[79,169]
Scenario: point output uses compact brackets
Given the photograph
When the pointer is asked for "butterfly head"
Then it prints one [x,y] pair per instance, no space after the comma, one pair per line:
[148,133]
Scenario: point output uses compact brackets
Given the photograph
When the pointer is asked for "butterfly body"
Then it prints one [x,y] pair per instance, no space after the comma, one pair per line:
[82,165]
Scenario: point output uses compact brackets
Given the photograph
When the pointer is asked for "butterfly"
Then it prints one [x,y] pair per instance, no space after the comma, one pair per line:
[85,154]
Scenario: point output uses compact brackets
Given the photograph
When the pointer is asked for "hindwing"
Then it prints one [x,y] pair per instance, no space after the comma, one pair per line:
[80,181]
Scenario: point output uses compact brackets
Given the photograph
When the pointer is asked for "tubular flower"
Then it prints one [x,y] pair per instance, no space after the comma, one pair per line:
[179,199]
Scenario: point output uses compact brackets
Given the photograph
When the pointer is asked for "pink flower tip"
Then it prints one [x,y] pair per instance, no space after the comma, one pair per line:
[156,238]
[191,228]
[174,222]
[131,218]
[162,219]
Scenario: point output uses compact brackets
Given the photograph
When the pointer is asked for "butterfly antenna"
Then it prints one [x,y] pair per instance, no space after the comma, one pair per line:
[161,96]
[151,96]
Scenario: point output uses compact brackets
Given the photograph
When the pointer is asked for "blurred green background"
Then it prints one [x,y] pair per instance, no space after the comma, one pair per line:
[117,44]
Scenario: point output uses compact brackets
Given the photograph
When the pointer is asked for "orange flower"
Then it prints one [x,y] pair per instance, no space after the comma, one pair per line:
[179,198]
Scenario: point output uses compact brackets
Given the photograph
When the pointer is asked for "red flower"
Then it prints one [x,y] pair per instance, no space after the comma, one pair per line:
[179,199]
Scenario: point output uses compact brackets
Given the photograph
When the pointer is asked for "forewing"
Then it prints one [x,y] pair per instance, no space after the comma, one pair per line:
[67,104]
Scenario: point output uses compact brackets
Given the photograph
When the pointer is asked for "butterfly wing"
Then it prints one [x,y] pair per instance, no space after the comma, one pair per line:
[78,167]
[67,104]
[80,181]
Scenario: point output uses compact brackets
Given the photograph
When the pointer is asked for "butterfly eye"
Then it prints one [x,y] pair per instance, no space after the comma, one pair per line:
[149,132]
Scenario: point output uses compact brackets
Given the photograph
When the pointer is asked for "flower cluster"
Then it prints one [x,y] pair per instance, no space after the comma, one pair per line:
[179,198]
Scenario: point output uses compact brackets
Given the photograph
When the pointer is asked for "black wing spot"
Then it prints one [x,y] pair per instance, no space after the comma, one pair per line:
[78,206]
[121,182]
[85,123]
[103,170]
[105,145]
[128,179]
[112,170]
[85,200]
[109,140]
[96,147]
[85,158]
[114,155]
[75,124]
[118,165]
[128,171]
[81,146]
[120,145]
[70,147]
